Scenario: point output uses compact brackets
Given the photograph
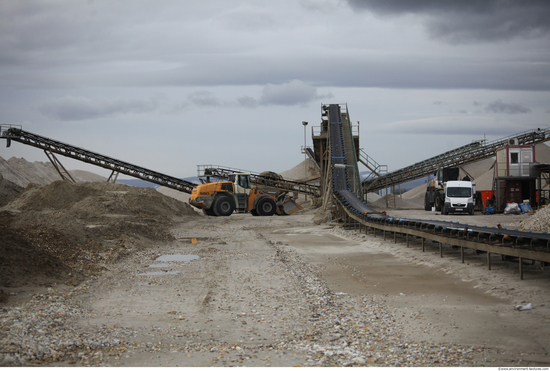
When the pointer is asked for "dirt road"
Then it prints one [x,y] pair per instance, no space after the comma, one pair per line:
[282,291]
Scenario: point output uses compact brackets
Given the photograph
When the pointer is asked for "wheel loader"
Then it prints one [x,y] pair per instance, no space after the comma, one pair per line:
[238,195]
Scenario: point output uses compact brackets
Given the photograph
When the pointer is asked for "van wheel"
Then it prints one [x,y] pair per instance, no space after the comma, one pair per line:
[224,206]
[266,207]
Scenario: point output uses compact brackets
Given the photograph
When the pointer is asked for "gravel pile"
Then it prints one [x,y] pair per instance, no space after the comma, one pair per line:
[539,222]
[62,232]
[8,190]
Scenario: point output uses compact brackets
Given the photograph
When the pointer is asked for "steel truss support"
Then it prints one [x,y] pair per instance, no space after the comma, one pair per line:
[63,173]
[113,177]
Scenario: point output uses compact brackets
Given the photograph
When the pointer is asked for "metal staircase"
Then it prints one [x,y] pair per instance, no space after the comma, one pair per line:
[376,169]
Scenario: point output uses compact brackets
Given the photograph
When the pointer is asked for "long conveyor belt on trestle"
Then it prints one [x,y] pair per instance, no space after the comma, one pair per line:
[507,242]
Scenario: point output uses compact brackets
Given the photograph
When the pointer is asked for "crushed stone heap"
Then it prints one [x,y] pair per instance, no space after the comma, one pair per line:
[63,232]
[8,190]
[539,222]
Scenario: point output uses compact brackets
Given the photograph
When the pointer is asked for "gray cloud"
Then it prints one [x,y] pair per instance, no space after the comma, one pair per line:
[291,93]
[80,108]
[205,99]
[287,94]
[509,108]
[247,101]
[469,21]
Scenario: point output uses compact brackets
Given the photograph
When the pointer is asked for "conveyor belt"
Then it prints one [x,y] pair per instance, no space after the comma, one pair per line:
[461,156]
[357,206]
[465,228]
[11,133]
[340,182]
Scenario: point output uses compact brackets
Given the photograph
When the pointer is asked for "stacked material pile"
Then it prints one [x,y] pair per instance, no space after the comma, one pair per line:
[62,232]
[22,172]
[539,222]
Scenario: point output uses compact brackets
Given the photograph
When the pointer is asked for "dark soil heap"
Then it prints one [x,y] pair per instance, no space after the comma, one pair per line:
[8,191]
[63,232]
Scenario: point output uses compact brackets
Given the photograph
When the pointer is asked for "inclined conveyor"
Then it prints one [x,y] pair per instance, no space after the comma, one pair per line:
[340,182]
[14,133]
[491,239]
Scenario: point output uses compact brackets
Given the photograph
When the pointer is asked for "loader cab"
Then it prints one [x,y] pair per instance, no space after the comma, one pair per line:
[241,182]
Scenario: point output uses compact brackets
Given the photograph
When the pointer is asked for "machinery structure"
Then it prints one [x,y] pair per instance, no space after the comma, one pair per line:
[337,155]
[237,194]
[350,209]
[52,147]
[266,179]
[475,151]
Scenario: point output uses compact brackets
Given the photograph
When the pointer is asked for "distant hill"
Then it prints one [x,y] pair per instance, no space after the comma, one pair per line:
[22,172]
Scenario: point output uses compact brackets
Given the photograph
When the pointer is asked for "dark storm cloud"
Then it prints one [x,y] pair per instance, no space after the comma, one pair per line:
[469,21]
[81,108]
[137,44]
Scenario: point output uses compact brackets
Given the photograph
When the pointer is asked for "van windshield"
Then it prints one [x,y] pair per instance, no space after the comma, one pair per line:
[459,192]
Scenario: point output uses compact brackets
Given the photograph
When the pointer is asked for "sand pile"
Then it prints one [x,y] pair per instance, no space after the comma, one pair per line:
[305,169]
[62,232]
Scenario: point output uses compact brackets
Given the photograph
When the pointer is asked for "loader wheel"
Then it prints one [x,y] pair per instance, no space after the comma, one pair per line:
[208,212]
[427,206]
[223,206]
[437,203]
[266,207]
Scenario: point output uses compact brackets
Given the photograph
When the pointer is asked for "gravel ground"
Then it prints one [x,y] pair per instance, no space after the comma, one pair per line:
[255,297]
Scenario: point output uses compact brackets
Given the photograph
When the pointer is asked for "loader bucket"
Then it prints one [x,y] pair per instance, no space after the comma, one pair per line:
[289,207]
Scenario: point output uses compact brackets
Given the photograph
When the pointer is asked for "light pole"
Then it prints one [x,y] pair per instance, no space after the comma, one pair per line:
[305,155]
[305,151]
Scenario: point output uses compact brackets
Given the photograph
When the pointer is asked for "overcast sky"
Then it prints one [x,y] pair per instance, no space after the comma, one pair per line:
[170,85]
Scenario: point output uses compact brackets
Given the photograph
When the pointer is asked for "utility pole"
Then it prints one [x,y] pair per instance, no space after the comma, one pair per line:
[305,155]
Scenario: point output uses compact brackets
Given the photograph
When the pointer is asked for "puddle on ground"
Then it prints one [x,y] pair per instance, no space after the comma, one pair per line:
[165,262]
[158,273]
[177,258]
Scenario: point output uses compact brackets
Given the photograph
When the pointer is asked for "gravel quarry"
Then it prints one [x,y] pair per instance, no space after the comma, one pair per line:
[105,274]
